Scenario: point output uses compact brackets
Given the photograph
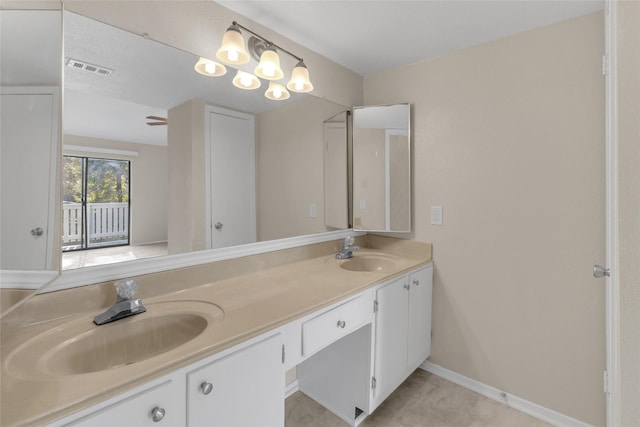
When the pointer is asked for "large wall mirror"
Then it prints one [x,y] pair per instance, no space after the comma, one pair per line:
[119,89]
[114,160]
[382,168]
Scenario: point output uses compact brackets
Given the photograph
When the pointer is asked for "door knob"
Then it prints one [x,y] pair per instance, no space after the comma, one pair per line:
[37,231]
[218,226]
[599,271]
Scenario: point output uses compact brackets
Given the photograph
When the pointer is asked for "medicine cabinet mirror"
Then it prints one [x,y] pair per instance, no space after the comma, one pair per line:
[382,168]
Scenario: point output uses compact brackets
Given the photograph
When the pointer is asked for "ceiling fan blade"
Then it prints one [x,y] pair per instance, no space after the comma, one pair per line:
[162,119]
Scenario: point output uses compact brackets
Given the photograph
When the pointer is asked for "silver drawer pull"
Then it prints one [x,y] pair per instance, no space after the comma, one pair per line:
[342,324]
[206,387]
[416,282]
[157,414]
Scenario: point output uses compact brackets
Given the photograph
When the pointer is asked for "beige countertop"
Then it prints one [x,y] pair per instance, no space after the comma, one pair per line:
[252,304]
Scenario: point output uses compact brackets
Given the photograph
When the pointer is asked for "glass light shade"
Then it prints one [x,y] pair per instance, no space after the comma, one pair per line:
[269,66]
[277,92]
[232,51]
[207,67]
[246,81]
[300,79]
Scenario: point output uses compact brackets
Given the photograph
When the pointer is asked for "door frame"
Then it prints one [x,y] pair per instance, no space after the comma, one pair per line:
[208,109]
[612,283]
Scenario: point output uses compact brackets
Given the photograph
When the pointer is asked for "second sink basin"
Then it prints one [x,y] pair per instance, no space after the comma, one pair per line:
[80,347]
[370,262]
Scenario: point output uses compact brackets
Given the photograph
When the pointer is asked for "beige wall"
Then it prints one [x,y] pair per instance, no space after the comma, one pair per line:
[149,183]
[628,75]
[289,168]
[508,138]
[187,178]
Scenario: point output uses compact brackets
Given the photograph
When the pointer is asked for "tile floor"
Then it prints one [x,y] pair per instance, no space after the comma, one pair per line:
[423,400]
[100,256]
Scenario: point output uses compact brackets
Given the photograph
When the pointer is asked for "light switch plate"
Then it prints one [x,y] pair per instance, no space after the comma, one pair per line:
[313,211]
[436,215]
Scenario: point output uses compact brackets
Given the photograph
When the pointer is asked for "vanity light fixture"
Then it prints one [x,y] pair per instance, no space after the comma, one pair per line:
[210,68]
[233,52]
[277,92]
[246,81]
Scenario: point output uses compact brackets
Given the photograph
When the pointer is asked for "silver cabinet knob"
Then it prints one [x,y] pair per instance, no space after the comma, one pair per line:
[407,286]
[206,387]
[416,282]
[157,414]
[38,231]
[218,226]
[342,324]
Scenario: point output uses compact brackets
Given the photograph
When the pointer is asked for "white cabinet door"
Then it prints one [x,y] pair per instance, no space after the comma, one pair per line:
[403,330]
[28,146]
[245,388]
[391,337]
[161,401]
[419,336]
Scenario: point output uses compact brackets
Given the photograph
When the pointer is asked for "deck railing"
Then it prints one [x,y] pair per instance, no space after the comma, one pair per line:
[107,224]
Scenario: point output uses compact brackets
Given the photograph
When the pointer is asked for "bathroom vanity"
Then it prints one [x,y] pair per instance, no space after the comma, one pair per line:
[354,329]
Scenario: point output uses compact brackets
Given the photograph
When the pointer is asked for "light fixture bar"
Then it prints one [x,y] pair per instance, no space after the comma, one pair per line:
[270,43]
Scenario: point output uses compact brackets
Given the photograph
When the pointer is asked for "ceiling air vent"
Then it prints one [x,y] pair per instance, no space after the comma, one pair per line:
[95,69]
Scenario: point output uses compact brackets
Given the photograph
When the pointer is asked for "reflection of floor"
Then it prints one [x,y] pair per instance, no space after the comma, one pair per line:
[87,258]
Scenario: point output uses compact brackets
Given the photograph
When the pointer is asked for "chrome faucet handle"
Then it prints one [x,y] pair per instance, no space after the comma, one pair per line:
[349,240]
[126,289]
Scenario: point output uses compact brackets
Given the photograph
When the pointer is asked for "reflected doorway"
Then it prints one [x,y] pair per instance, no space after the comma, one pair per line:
[95,204]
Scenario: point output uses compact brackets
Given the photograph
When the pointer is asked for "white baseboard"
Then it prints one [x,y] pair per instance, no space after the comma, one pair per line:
[291,388]
[545,414]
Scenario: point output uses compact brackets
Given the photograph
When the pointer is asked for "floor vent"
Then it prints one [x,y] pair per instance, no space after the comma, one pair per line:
[95,69]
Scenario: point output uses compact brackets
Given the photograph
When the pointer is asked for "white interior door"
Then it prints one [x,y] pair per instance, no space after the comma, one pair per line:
[232,198]
[29,127]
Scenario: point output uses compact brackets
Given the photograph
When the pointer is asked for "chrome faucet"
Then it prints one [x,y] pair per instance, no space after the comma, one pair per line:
[348,248]
[125,305]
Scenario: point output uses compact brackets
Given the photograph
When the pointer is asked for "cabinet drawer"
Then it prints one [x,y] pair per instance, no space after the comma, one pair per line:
[332,325]
[139,410]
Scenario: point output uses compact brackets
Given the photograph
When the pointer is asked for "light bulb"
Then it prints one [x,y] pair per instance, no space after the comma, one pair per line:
[299,85]
[277,92]
[269,70]
[246,80]
[210,67]
[232,55]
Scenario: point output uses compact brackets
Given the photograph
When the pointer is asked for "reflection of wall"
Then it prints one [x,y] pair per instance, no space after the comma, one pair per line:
[399,183]
[508,138]
[149,184]
[187,172]
[289,153]
[369,179]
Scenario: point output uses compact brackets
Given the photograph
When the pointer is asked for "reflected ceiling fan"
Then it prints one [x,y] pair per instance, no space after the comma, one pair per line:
[157,121]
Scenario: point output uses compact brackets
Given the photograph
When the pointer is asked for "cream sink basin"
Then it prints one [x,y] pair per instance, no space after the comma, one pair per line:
[370,262]
[80,347]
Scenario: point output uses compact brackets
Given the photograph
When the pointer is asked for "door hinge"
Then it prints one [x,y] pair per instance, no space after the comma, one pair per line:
[283,354]
[605,65]
[606,381]
[375,305]
[373,383]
